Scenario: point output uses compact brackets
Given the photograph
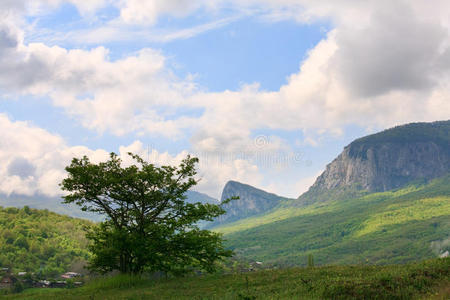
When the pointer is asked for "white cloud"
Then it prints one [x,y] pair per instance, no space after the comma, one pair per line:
[32,160]
[119,96]
[37,7]
[384,63]
[148,11]
[214,169]
[371,69]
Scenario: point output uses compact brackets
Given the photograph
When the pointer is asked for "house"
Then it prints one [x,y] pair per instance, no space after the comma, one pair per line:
[69,275]
[42,284]
[7,281]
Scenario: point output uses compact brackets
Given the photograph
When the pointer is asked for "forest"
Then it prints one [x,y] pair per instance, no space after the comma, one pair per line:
[41,241]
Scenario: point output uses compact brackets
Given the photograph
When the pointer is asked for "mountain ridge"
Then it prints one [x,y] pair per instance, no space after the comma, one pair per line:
[386,160]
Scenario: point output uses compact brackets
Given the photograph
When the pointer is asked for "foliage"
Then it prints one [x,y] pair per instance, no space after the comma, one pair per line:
[437,132]
[411,281]
[380,228]
[149,224]
[40,241]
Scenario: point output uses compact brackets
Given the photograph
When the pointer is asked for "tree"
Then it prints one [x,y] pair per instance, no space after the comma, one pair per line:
[148,224]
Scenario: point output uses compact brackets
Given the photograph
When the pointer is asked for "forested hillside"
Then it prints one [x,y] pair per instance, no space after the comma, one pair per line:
[41,241]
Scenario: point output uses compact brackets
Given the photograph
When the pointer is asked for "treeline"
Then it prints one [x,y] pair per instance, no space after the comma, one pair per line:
[41,242]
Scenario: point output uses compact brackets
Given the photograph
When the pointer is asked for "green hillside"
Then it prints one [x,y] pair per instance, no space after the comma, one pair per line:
[425,280]
[408,224]
[41,241]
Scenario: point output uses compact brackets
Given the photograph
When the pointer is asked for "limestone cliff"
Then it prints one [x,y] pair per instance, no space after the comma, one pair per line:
[389,159]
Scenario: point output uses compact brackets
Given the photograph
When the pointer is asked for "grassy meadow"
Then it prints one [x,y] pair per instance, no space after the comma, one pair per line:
[425,280]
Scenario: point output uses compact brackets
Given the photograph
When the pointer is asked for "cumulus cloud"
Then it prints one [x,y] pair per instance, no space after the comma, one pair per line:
[214,169]
[21,167]
[372,66]
[148,11]
[383,64]
[32,161]
[395,51]
[118,96]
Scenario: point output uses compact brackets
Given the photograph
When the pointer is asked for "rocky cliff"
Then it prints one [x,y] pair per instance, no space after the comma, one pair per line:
[252,201]
[389,159]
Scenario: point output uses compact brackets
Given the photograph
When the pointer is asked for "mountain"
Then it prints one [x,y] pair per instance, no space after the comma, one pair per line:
[194,196]
[55,204]
[396,226]
[251,202]
[386,160]
[384,199]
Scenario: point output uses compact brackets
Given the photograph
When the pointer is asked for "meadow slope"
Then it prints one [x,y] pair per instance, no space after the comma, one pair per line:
[398,226]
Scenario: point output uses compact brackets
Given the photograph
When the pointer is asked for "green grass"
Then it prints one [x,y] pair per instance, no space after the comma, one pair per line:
[414,281]
[380,228]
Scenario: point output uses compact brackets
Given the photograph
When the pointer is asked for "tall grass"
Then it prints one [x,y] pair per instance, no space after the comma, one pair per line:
[121,281]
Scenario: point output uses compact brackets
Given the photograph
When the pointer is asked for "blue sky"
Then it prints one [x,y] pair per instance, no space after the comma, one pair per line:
[264,92]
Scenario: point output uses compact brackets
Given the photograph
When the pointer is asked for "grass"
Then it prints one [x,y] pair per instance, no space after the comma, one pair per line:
[401,213]
[426,280]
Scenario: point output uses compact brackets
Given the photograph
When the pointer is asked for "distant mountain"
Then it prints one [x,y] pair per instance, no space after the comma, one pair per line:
[251,202]
[55,204]
[387,160]
[193,197]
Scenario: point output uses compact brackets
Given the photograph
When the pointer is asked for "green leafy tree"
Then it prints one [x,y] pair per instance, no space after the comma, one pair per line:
[148,224]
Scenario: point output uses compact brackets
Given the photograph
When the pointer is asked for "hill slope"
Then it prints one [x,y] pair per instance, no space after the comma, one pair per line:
[389,227]
[41,241]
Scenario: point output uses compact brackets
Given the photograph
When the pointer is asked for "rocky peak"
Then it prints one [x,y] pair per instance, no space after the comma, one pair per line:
[252,201]
[390,159]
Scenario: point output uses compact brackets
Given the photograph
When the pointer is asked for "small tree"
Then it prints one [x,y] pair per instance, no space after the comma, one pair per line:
[148,226]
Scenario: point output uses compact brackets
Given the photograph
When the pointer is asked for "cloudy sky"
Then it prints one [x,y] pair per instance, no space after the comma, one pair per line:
[266,92]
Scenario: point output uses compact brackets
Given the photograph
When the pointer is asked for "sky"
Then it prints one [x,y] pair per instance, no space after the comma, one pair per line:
[265,92]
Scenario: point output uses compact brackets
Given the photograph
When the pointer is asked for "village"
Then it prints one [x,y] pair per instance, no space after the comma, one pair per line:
[23,280]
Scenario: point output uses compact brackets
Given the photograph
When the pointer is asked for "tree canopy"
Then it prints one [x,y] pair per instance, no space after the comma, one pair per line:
[148,224]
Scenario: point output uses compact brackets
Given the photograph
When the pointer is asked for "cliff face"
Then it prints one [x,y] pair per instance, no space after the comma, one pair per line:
[390,159]
[252,201]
